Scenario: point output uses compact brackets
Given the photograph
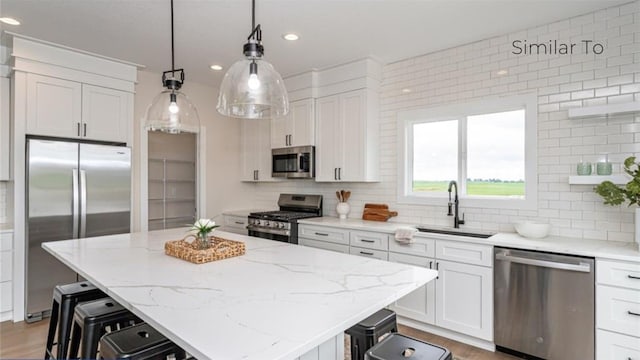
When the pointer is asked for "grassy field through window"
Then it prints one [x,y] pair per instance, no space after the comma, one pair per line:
[483,187]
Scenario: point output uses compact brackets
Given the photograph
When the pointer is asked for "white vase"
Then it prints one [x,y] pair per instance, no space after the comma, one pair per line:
[343,209]
[637,234]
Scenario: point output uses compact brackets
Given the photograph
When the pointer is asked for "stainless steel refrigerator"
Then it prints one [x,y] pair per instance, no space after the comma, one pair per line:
[74,190]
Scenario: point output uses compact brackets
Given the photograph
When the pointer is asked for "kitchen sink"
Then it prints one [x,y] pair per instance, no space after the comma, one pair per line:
[457,232]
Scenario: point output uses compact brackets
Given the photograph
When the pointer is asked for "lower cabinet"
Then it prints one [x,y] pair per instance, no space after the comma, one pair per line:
[235,224]
[460,299]
[616,346]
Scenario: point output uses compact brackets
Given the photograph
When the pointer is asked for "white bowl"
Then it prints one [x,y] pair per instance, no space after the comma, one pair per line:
[531,229]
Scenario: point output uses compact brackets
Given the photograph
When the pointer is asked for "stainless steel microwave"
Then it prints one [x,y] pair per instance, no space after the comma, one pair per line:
[293,162]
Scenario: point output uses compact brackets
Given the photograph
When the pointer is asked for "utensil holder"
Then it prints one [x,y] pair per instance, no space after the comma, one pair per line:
[343,209]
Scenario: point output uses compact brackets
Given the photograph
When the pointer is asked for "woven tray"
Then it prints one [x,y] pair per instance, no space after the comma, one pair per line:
[221,249]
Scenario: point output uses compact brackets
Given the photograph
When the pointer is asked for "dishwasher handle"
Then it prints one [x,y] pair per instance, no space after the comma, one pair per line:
[582,267]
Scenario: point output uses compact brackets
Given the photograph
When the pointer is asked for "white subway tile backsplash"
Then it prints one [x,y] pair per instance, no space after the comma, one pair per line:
[468,73]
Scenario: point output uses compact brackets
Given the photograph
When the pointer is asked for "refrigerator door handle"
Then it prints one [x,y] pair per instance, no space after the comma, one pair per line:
[75,211]
[83,203]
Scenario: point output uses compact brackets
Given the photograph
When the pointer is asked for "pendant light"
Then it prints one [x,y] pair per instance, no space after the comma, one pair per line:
[252,88]
[171,111]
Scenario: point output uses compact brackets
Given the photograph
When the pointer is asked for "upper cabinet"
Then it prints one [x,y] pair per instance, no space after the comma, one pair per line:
[69,109]
[256,151]
[68,93]
[347,137]
[296,128]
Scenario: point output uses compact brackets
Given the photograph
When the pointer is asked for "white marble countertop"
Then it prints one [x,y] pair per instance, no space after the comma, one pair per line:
[277,301]
[615,250]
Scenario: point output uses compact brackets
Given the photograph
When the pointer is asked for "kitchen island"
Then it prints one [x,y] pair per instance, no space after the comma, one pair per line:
[278,301]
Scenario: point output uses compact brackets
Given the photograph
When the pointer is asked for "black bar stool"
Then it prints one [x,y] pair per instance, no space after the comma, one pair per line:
[138,342]
[401,347]
[368,332]
[94,319]
[65,299]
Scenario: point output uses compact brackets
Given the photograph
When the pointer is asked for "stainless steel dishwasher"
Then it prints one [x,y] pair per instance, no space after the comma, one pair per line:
[544,304]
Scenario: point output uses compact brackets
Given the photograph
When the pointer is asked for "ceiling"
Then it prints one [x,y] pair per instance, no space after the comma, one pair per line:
[331,31]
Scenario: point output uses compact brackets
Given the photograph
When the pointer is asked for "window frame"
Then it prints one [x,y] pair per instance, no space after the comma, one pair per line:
[460,112]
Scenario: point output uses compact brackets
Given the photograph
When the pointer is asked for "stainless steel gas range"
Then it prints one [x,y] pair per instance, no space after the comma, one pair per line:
[282,225]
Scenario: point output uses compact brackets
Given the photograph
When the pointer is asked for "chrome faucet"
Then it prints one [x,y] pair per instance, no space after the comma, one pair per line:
[456,220]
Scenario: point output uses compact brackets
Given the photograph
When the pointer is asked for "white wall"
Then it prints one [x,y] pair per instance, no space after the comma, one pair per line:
[222,141]
[468,73]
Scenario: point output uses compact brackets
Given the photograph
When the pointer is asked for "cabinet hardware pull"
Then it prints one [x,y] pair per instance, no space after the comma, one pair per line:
[84,126]
[239,222]
[78,129]
[322,234]
[367,241]
[366,253]
[633,313]
[335,173]
[633,277]
[430,264]
[339,173]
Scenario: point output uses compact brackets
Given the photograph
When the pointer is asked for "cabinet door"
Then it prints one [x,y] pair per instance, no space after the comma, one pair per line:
[250,148]
[301,122]
[54,106]
[264,150]
[352,158]
[420,304]
[280,131]
[464,299]
[106,113]
[5,148]
[329,137]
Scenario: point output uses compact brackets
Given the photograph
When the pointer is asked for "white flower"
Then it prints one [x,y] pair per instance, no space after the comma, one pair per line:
[204,225]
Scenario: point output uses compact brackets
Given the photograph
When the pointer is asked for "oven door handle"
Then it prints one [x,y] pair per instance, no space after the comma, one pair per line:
[261,229]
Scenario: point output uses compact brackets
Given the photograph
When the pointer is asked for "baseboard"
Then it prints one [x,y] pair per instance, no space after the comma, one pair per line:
[469,340]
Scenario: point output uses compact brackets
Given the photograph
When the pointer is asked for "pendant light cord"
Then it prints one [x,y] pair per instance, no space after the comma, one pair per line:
[253,14]
[173,65]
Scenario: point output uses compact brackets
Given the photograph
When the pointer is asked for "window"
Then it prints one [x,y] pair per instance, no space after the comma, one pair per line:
[488,148]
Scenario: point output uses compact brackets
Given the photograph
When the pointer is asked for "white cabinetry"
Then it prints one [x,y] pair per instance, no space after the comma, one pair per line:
[617,310]
[459,300]
[235,224]
[64,108]
[295,129]
[256,150]
[5,146]
[6,275]
[347,137]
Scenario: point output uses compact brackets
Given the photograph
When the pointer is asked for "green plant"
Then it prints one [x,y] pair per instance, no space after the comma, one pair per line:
[616,195]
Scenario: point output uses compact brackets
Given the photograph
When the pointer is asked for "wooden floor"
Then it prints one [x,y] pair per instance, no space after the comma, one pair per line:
[27,341]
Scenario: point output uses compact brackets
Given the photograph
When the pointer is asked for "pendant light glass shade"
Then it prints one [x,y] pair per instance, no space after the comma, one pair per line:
[172,112]
[253,96]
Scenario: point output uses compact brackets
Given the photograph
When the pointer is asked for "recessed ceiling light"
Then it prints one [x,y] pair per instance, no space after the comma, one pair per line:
[291,37]
[216,67]
[502,72]
[9,21]
[406,91]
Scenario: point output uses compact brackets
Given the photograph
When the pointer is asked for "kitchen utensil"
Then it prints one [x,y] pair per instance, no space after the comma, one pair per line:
[347,195]
[339,196]
[377,212]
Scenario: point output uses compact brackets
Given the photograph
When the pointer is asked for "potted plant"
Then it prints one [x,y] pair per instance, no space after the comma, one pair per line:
[201,230]
[630,192]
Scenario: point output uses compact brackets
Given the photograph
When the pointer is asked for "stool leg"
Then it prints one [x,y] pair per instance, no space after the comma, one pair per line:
[90,339]
[76,334]
[64,329]
[53,322]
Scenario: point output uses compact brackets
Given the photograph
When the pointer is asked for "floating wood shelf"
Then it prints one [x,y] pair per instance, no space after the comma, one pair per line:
[618,179]
[604,110]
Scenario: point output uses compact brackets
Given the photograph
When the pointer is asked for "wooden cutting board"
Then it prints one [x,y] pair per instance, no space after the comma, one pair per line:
[377,212]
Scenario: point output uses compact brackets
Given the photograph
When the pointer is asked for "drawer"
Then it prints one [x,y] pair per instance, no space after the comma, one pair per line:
[412,260]
[378,254]
[6,298]
[467,253]
[612,346]
[324,245]
[419,247]
[618,309]
[323,233]
[369,240]
[6,241]
[5,265]
[238,222]
[618,273]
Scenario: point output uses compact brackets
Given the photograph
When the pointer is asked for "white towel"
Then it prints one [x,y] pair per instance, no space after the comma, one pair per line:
[404,235]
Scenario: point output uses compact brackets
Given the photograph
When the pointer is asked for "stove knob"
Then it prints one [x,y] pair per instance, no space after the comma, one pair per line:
[280,225]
